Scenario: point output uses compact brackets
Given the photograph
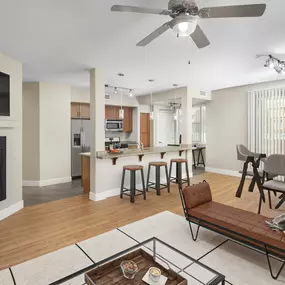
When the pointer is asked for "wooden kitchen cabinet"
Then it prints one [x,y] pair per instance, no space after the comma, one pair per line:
[80,110]
[75,110]
[112,112]
[128,119]
[85,111]
[116,113]
[109,112]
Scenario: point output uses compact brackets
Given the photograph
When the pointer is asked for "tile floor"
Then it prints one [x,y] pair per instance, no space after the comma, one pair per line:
[240,265]
[38,195]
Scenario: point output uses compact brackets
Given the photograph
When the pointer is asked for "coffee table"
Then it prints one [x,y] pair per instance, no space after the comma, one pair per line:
[155,252]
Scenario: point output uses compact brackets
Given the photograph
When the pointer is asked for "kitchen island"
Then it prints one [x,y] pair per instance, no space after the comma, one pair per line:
[109,167]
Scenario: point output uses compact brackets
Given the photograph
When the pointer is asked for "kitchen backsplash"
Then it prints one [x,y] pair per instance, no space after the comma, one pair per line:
[121,135]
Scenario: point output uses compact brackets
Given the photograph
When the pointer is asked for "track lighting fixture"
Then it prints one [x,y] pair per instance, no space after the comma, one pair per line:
[131,93]
[115,91]
[274,63]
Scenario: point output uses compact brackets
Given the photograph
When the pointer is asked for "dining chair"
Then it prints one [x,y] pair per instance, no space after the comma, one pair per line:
[249,157]
[274,166]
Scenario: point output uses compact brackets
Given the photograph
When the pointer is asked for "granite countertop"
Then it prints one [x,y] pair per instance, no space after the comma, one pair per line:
[145,151]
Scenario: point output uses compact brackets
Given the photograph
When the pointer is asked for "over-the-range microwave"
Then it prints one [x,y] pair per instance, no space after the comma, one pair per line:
[114,125]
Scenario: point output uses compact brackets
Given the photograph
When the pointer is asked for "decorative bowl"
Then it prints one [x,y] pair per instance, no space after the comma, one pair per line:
[129,269]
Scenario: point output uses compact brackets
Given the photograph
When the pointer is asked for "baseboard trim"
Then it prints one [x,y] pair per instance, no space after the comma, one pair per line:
[104,195]
[116,192]
[223,171]
[49,182]
[5,213]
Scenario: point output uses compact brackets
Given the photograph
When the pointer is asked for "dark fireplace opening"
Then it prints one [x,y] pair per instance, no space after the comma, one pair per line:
[2,168]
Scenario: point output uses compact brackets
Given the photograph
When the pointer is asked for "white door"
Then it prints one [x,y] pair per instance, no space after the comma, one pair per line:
[165,129]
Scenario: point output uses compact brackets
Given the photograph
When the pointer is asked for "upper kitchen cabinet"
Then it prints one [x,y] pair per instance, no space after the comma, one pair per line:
[112,112]
[85,111]
[75,110]
[80,111]
[128,119]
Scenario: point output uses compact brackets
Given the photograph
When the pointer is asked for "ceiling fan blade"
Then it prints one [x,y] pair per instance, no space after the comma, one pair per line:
[133,9]
[200,38]
[255,10]
[158,32]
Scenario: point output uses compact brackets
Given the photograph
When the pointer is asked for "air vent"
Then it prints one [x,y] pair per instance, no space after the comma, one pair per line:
[203,93]
[107,97]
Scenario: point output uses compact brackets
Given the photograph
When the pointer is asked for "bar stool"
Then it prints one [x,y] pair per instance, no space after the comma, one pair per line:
[178,179]
[132,190]
[157,183]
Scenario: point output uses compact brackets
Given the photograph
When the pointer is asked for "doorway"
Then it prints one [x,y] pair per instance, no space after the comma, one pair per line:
[165,129]
[145,129]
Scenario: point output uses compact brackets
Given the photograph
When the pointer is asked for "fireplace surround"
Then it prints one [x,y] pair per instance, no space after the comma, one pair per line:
[2,168]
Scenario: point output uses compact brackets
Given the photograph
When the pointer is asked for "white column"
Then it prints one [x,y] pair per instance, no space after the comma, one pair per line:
[97,116]
[186,122]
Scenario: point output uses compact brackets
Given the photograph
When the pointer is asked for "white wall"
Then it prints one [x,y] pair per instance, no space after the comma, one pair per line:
[47,138]
[80,94]
[11,127]
[31,128]
[55,140]
[226,125]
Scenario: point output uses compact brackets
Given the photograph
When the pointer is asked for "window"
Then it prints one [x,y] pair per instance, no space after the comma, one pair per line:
[198,124]
[266,121]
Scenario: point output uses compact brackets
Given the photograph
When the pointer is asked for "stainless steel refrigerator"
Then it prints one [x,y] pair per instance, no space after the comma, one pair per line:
[80,142]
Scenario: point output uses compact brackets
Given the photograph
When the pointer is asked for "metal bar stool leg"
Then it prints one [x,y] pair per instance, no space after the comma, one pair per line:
[122,183]
[157,180]
[132,186]
[148,174]
[143,184]
[167,180]
[194,159]
[187,173]
[179,173]
[170,171]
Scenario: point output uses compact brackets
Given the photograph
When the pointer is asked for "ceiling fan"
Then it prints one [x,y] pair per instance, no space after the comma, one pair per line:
[185,13]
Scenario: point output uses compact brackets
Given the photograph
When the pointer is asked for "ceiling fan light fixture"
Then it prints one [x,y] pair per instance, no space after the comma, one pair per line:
[184,26]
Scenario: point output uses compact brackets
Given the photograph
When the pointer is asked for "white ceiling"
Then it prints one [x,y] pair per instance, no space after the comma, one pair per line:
[58,41]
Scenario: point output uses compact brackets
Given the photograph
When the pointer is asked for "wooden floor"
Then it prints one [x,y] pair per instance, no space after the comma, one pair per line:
[43,228]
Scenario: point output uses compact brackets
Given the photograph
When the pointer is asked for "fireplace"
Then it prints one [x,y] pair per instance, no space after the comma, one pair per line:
[2,168]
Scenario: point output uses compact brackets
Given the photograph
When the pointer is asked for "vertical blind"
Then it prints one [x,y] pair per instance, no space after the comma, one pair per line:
[266,121]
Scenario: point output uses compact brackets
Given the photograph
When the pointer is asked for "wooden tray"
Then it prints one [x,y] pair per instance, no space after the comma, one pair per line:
[111,272]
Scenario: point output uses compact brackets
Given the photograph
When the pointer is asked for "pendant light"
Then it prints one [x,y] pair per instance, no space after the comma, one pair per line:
[151,102]
[121,111]
[175,110]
